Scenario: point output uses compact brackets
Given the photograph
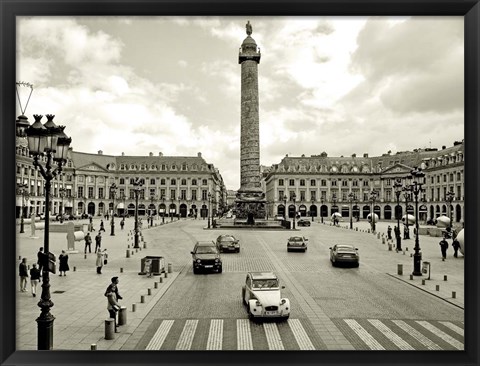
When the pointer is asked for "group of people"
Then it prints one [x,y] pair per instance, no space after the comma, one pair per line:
[444,246]
[35,273]
[102,255]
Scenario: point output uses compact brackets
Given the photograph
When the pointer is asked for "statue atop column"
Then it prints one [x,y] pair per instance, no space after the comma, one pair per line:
[249,28]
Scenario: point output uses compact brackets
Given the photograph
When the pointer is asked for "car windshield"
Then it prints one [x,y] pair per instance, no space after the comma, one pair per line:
[227,238]
[345,248]
[265,283]
[296,238]
[206,250]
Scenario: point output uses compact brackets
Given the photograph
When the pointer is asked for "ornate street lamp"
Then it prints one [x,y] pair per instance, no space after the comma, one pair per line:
[48,141]
[137,184]
[321,208]
[311,210]
[123,197]
[178,213]
[450,197]
[284,198]
[153,198]
[398,190]
[407,194]
[164,209]
[23,191]
[351,197]
[209,195]
[113,193]
[294,196]
[416,188]
[373,197]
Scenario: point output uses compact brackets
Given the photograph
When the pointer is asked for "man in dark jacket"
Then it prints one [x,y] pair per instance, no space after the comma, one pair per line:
[443,247]
[23,273]
[34,278]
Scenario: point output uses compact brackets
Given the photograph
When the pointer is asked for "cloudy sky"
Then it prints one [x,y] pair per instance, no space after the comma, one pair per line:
[342,85]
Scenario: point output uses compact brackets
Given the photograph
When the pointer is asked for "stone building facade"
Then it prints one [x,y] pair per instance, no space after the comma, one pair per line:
[322,184]
[172,185]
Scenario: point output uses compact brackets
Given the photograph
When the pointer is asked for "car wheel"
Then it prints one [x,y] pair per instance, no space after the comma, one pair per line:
[243,296]
[357,264]
[250,315]
[220,269]
[288,249]
[195,271]
[238,250]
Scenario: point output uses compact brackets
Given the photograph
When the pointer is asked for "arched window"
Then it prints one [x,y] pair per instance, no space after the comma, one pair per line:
[194,182]
[184,182]
[173,182]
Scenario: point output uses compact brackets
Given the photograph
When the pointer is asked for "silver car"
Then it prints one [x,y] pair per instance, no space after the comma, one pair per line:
[344,253]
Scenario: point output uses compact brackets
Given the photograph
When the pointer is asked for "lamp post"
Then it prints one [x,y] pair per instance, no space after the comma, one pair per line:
[153,198]
[113,192]
[284,198]
[137,184]
[294,196]
[23,191]
[311,210]
[416,187]
[351,197]
[373,197]
[123,198]
[334,200]
[164,209]
[398,190]
[209,195]
[450,197]
[62,192]
[178,213]
[321,208]
[48,141]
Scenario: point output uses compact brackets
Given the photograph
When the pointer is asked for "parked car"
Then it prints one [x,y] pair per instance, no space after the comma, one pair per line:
[344,253]
[228,243]
[297,243]
[205,256]
[59,216]
[303,222]
[262,296]
[84,216]
[279,217]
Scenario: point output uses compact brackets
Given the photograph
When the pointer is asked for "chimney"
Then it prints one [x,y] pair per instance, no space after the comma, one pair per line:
[354,155]
[160,154]
[365,155]
[199,154]
[100,152]
[150,154]
[123,154]
[444,147]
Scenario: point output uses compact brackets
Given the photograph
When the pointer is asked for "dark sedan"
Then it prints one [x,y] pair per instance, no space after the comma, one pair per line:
[303,222]
[344,253]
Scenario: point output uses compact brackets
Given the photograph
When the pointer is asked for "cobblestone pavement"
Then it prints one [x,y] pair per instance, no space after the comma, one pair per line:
[80,307]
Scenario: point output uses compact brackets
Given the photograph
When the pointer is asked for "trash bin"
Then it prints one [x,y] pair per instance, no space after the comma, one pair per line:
[426,268]
[156,267]
[287,224]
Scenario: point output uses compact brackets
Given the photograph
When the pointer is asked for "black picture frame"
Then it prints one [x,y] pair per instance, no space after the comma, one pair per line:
[9,9]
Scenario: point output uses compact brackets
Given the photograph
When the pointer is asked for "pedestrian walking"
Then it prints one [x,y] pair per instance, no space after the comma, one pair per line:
[455,246]
[102,228]
[443,247]
[99,262]
[40,260]
[406,232]
[98,241]
[63,259]
[389,232]
[90,225]
[122,223]
[113,296]
[88,243]
[34,279]
[23,273]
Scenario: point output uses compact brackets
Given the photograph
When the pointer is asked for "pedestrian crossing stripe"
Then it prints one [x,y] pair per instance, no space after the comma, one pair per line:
[372,332]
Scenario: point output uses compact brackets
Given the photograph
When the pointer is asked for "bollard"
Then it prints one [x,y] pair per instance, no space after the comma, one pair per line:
[155,284]
[109,328]
[437,287]
[166,275]
[444,277]
[132,252]
[145,245]
[93,347]
[400,269]
[19,257]
[378,236]
[383,240]
[140,248]
[406,248]
[74,269]
[160,279]
[134,307]
[411,255]
[85,256]
[121,269]
[149,291]
[454,295]
[142,299]
[390,247]
[169,268]
[411,277]
[128,246]
[423,282]
[403,252]
[128,253]
[122,315]
[136,250]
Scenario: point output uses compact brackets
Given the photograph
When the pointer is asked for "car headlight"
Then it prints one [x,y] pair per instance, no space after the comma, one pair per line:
[258,303]
[217,260]
[198,260]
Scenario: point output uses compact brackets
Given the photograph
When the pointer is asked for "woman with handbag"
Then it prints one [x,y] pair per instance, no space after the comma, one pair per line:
[99,262]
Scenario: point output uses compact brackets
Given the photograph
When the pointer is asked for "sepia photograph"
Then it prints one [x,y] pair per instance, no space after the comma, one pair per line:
[240,183]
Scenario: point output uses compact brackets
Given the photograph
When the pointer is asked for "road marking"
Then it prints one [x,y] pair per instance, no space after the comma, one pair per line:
[453,327]
[441,334]
[364,335]
[160,335]
[215,335]
[300,334]
[387,332]
[186,338]
[244,337]
[417,335]
[273,336]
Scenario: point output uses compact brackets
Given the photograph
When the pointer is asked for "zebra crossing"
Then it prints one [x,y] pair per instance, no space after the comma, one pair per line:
[297,334]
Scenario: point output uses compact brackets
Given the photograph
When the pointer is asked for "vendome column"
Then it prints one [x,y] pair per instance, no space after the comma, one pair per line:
[250,200]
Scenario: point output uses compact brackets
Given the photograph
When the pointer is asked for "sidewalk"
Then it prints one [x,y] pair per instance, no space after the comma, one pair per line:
[448,275]
[80,308]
